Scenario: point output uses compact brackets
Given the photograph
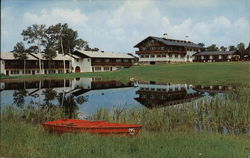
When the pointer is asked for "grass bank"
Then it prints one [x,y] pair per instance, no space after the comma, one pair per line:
[220,73]
[22,140]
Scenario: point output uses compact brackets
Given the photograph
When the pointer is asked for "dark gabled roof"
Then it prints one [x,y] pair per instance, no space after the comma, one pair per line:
[172,42]
[217,53]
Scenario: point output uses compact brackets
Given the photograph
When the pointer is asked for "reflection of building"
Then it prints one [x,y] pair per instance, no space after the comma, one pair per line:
[214,56]
[84,85]
[37,84]
[212,88]
[89,61]
[153,50]
[153,95]
[35,64]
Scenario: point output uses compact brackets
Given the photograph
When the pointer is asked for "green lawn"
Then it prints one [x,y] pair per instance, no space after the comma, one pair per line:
[19,140]
[220,73]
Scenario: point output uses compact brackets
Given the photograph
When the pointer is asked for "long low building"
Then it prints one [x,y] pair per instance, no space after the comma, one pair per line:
[35,64]
[216,56]
[154,50]
[78,61]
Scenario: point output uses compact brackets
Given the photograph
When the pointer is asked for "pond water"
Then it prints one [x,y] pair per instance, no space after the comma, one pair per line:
[89,94]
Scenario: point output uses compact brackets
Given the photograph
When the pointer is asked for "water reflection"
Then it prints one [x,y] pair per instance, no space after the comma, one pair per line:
[160,95]
[89,94]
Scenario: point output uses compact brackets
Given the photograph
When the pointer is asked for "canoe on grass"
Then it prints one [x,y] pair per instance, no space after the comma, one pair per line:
[95,127]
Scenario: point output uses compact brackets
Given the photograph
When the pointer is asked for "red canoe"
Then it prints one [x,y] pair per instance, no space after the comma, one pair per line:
[96,127]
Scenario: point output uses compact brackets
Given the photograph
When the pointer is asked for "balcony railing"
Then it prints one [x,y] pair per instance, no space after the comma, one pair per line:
[111,64]
[161,52]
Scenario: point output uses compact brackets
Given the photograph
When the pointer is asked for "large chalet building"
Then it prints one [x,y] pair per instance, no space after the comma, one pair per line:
[154,50]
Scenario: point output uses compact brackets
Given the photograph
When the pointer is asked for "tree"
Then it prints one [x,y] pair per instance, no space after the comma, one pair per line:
[20,53]
[241,49]
[64,38]
[201,44]
[18,97]
[213,47]
[232,48]
[35,34]
[222,48]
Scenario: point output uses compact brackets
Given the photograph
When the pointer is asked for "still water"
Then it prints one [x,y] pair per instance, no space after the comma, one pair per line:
[90,94]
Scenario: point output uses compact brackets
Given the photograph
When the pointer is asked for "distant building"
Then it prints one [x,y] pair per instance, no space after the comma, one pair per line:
[91,61]
[153,50]
[35,64]
[216,56]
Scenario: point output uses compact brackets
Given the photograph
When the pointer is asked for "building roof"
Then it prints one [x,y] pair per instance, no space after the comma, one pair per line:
[173,42]
[95,54]
[216,53]
[10,56]
[58,57]
[33,56]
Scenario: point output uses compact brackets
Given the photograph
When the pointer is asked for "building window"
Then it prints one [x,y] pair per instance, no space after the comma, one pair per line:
[125,60]
[118,60]
[106,68]
[98,60]
[14,72]
[98,68]
[77,60]
[146,56]
[106,60]
[60,71]
[152,56]
[158,55]
[176,55]
[27,71]
[163,55]
[142,56]
[170,55]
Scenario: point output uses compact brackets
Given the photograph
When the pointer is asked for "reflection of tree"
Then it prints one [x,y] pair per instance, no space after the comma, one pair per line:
[18,97]
[49,95]
[70,104]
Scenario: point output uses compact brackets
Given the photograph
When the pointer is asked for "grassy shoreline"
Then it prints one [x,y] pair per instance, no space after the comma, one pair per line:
[221,73]
[33,141]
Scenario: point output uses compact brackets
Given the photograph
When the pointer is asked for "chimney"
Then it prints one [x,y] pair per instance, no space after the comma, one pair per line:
[165,36]
[187,38]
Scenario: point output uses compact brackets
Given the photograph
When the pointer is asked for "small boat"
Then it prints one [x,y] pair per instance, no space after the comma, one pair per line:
[95,127]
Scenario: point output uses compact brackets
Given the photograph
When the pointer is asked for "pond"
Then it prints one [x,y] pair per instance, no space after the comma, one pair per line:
[87,95]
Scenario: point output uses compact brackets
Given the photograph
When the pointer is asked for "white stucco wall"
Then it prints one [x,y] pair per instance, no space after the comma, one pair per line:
[83,63]
[3,71]
[188,57]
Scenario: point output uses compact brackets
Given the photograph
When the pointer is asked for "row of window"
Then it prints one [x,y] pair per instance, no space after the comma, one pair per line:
[163,48]
[162,89]
[108,60]
[15,72]
[162,55]
[105,68]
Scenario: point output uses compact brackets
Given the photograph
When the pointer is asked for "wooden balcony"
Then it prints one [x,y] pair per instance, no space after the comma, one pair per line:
[111,64]
[161,52]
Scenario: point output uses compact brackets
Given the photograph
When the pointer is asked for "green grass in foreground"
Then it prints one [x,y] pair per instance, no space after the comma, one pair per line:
[24,140]
[194,73]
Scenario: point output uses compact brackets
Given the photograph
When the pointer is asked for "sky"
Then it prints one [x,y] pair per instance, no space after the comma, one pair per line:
[118,25]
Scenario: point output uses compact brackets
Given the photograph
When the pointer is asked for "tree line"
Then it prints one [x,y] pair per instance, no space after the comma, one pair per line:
[240,47]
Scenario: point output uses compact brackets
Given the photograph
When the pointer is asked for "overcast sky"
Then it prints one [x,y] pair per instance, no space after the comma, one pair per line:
[116,25]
